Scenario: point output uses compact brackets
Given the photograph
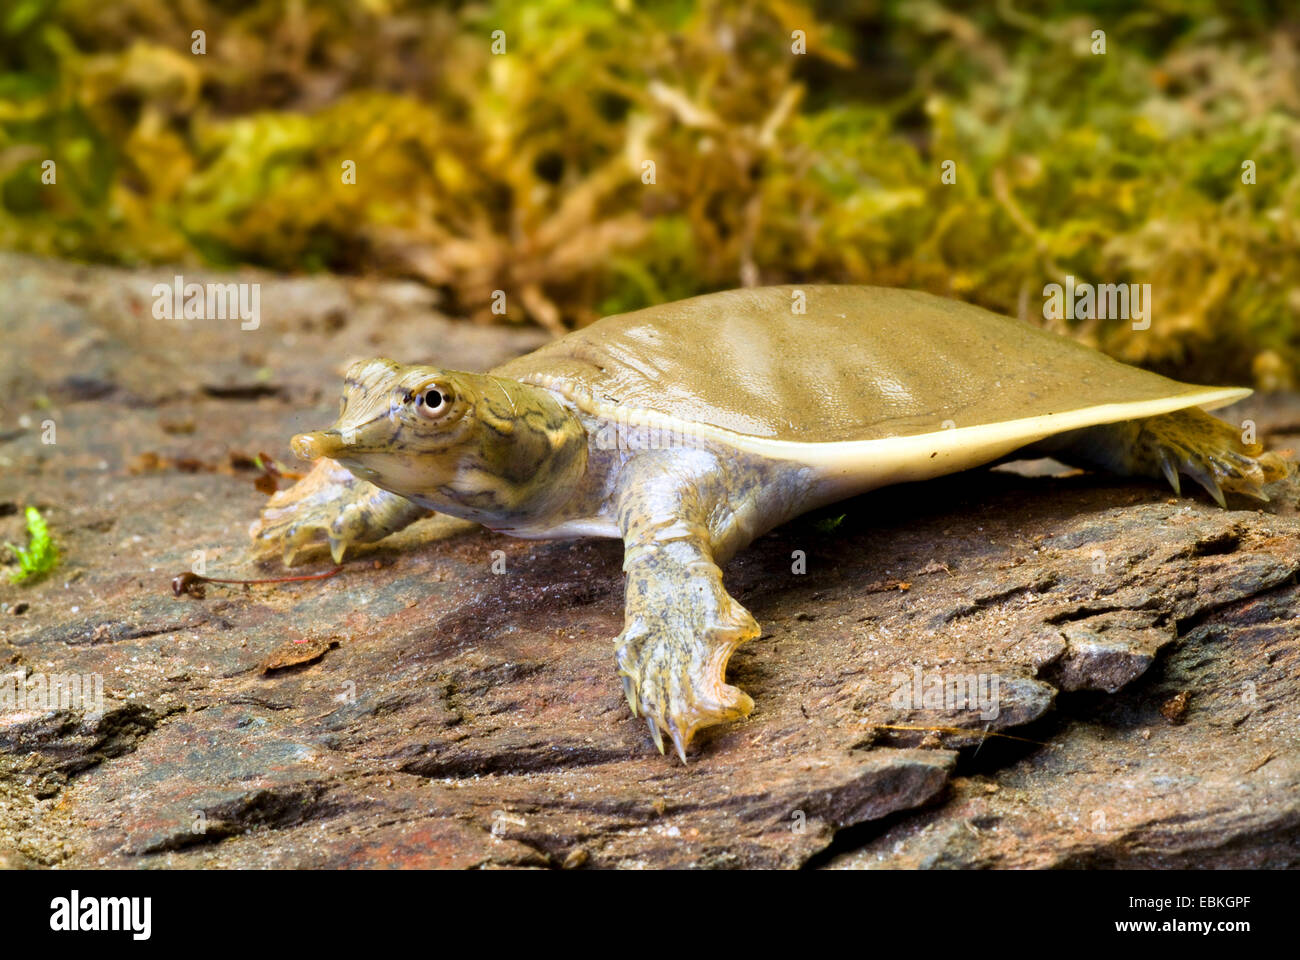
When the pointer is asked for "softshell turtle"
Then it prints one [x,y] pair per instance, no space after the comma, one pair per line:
[689,429]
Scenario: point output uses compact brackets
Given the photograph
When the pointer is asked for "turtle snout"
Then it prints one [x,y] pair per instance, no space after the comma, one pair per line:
[322,443]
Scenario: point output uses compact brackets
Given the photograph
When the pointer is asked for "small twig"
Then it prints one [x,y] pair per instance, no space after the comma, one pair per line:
[960,731]
[192,583]
[1259,763]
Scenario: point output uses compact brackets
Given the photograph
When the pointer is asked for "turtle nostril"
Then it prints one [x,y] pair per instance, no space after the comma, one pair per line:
[304,446]
[311,446]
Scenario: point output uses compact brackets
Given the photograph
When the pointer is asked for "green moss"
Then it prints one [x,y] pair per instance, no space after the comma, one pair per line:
[829,524]
[40,556]
[523,172]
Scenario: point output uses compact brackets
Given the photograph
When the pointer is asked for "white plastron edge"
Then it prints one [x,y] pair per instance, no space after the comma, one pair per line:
[855,466]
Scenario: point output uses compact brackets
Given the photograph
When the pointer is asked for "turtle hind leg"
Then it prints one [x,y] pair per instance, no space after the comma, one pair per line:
[332,505]
[1189,442]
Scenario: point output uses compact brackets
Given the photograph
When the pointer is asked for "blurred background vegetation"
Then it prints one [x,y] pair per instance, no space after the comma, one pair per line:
[523,171]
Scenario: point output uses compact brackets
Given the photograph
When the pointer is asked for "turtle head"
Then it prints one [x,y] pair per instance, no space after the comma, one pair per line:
[467,444]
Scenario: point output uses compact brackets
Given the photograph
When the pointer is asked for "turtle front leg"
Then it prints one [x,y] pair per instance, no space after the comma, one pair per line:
[681,626]
[1190,441]
[329,504]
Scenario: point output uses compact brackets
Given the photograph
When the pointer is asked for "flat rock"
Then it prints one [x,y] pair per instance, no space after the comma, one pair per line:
[991,669]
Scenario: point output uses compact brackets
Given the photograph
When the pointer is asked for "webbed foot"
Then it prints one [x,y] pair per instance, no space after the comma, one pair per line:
[329,505]
[1209,451]
[1189,442]
[681,629]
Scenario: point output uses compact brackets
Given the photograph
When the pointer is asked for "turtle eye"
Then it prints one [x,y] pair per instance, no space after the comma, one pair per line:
[432,403]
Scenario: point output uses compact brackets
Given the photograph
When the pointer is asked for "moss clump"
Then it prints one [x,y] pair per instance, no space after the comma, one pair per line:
[791,142]
[40,556]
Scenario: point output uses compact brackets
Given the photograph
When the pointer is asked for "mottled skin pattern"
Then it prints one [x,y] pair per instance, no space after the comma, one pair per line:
[525,461]
[497,452]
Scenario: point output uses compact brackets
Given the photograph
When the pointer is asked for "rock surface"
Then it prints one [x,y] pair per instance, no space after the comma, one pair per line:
[1131,659]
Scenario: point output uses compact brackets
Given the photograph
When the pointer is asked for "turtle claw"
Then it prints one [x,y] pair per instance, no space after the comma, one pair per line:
[295,539]
[1170,470]
[673,667]
[677,731]
[629,691]
[1206,449]
[1203,475]
[655,734]
[679,740]
[328,507]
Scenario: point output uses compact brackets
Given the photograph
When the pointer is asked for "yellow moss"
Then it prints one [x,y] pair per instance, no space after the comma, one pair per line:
[526,172]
